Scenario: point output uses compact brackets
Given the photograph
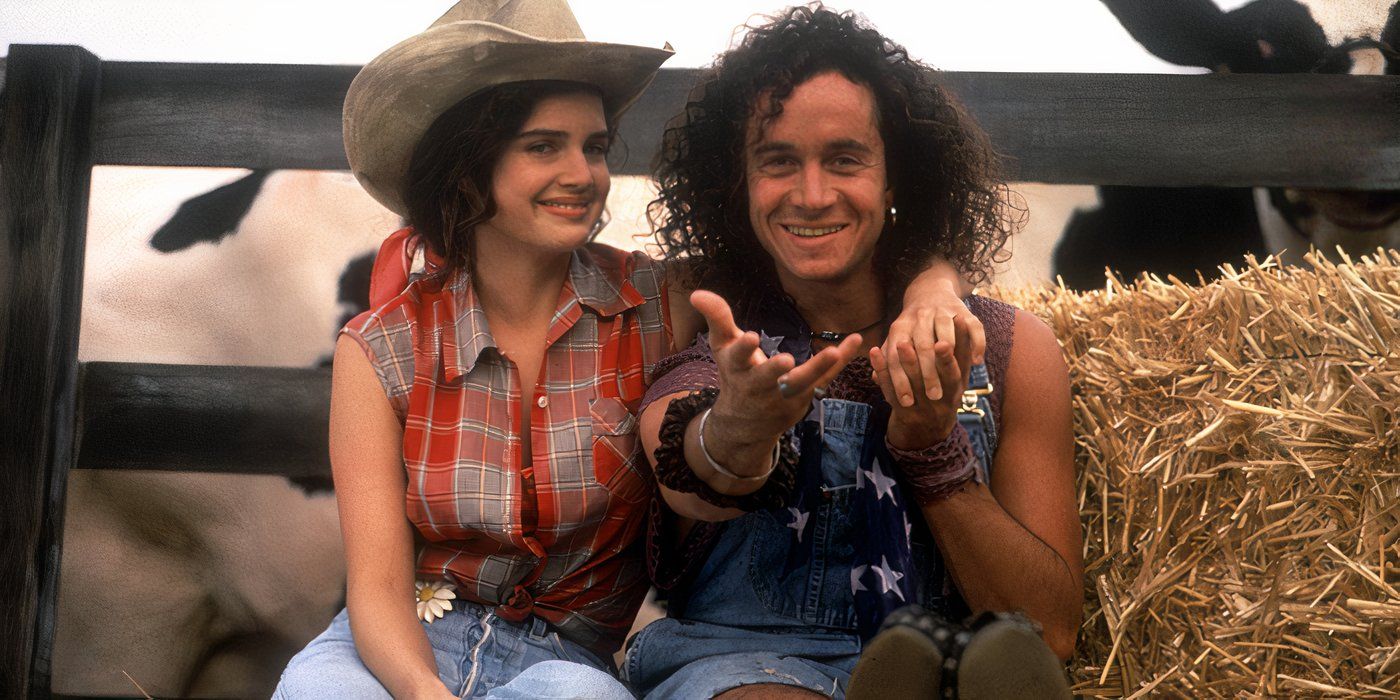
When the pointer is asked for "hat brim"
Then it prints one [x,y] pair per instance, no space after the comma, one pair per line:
[397,96]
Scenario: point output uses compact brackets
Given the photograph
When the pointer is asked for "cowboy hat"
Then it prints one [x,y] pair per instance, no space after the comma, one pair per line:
[476,45]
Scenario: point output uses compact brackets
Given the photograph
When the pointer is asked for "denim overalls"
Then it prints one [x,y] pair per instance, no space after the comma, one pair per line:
[767,607]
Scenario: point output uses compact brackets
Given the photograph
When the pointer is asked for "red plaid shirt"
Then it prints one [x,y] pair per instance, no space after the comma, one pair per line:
[559,540]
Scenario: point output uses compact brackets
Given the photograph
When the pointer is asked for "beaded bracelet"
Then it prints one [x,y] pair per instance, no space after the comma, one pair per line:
[675,473]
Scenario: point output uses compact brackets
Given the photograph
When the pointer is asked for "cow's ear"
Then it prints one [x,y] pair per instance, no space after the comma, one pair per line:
[1184,32]
[211,216]
[1287,37]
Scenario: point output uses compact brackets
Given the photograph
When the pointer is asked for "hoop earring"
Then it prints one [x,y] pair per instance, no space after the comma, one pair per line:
[598,226]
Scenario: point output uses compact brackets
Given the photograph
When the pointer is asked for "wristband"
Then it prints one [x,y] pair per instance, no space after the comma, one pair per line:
[938,471]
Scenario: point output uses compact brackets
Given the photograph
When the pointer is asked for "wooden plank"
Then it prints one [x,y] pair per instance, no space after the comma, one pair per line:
[1307,130]
[212,114]
[1165,130]
[46,129]
[246,420]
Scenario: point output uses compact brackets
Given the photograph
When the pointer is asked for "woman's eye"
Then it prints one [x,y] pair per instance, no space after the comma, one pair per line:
[597,149]
[540,147]
[846,163]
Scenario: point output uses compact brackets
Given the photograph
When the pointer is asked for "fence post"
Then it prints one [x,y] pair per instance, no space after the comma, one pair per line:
[46,139]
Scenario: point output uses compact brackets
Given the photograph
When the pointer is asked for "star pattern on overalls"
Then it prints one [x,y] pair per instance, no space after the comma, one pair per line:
[884,485]
[799,521]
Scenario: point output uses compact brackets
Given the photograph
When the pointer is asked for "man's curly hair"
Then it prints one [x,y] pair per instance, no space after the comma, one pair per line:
[948,196]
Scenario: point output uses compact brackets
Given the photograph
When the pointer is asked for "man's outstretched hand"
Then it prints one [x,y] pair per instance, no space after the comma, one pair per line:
[760,397]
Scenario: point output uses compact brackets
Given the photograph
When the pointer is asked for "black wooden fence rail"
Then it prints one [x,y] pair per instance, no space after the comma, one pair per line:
[243,420]
[63,110]
[1334,131]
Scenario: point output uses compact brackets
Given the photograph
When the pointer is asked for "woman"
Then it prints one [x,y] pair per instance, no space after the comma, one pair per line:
[813,497]
[519,509]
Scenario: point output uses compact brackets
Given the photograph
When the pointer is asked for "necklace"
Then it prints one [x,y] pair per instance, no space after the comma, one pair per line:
[834,337]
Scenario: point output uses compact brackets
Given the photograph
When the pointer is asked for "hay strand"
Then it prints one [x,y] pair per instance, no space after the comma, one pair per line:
[1239,472]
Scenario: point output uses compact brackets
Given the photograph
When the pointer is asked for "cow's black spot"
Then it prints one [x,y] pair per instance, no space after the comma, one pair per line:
[1184,32]
[1176,231]
[354,286]
[1390,36]
[312,485]
[211,216]
[1266,36]
[353,294]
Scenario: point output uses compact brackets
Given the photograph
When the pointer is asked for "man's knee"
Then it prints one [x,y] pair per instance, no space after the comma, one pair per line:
[767,691]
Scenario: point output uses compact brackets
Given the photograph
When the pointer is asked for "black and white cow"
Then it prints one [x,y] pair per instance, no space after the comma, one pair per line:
[204,584]
[1179,231]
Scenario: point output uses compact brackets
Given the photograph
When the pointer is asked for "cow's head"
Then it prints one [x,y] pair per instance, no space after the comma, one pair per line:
[1287,36]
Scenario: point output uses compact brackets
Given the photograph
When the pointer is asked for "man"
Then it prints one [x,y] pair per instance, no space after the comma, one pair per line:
[806,497]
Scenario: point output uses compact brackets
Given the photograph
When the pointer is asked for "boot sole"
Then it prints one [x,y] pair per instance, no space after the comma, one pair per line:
[1007,660]
[900,662]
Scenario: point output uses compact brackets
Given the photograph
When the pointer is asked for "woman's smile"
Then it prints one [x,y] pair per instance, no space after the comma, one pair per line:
[569,208]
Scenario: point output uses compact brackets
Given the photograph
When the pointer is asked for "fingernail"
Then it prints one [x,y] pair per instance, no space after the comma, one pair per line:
[906,400]
[783,389]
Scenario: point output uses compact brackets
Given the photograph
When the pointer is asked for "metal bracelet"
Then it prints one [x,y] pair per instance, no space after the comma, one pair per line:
[725,472]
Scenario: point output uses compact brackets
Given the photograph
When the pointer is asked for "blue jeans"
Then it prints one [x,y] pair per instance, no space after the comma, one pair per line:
[757,613]
[674,659]
[478,656]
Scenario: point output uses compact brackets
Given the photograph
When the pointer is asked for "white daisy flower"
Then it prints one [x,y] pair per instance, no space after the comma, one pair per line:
[434,598]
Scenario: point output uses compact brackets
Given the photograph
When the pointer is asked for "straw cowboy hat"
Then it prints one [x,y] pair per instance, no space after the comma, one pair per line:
[476,45]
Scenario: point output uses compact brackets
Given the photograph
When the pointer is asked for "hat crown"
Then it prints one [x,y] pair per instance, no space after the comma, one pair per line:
[544,19]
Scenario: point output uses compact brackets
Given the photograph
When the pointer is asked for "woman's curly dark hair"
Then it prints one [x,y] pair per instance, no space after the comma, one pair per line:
[948,195]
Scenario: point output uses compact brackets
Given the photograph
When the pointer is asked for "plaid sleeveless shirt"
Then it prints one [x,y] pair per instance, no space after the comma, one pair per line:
[560,539]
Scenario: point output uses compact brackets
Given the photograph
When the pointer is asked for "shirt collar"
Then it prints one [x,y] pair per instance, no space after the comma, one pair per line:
[600,280]
[597,280]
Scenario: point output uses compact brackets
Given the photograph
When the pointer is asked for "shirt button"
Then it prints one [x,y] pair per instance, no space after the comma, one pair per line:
[542,401]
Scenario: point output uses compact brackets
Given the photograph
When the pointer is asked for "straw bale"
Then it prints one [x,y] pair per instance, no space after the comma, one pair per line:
[1238,450]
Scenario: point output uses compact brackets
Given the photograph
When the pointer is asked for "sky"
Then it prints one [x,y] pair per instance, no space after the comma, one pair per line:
[975,35]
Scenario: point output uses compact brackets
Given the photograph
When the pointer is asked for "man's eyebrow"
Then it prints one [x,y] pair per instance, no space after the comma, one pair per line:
[773,147]
[848,145]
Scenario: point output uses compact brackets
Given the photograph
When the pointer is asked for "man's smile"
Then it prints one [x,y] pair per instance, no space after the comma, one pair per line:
[812,231]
